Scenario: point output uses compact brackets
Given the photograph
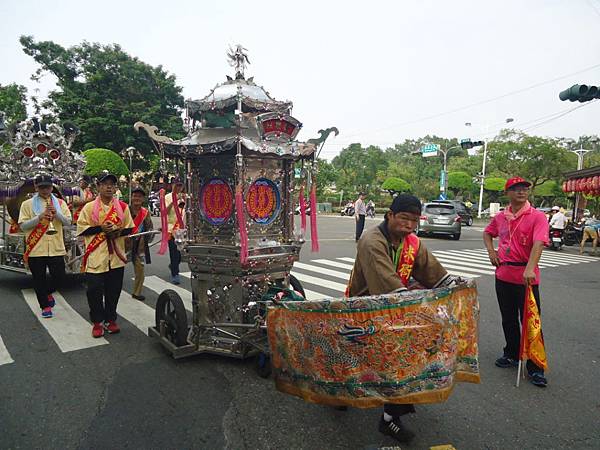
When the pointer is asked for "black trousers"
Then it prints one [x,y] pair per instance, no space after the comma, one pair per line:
[511,299]
[103,292]
[360,226]
[395,410]
[38,265]
[174,256]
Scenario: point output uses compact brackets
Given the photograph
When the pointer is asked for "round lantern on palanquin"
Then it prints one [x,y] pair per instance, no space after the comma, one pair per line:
[564,186]
[595,182]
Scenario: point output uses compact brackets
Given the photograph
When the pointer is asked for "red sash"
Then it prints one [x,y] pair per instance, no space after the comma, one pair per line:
[141,215]
[98,239]
[406,262]
[179,219]
[35,237]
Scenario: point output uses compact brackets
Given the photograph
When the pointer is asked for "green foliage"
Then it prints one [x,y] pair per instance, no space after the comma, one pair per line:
[13,102]
[357,169]
[395,185]
[99,159]
[104,91]
[548,189]
[459,182]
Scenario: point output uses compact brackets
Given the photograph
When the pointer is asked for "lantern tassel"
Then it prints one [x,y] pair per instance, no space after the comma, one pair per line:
[164,243]
[239,212]
[314,238]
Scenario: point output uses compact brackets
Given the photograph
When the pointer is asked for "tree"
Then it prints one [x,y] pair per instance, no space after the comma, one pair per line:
[494,187]
[104,91]
[534,158]
[459,182]
[13,102]
[395,185]
[357,168]
[99,159]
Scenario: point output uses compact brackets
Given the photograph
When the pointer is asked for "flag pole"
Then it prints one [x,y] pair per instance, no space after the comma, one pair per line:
[523,333]
[519,372]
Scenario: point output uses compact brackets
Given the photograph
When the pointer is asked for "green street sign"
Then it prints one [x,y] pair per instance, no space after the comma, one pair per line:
[430,150]
[297,173]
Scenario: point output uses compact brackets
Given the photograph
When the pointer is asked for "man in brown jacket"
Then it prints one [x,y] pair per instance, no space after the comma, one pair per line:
[382,268]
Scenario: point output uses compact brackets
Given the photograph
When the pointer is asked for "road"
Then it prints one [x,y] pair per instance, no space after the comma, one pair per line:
[59,389]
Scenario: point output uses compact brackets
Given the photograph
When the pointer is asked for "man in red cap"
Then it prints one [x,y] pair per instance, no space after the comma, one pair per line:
[522,231]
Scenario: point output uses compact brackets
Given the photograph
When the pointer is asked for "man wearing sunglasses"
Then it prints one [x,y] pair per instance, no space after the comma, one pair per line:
[522,231]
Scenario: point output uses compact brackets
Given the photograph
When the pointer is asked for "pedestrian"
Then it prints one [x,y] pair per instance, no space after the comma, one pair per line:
[360,212]
[138,247]
[174,202]
[86,195]
[377,270]
[591,232]
[522,232]
[42,218]
[103,224]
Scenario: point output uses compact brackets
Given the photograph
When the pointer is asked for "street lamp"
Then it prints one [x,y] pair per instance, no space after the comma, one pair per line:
[445,169]
[482,180]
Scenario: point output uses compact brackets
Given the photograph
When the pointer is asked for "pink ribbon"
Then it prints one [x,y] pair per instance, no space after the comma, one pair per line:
[302,202]
[239,212]
[314,237]
[164,243]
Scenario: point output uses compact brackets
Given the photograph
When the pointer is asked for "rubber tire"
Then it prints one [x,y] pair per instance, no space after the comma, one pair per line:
[296,285]
[169,307]
[455,237]
[470,222]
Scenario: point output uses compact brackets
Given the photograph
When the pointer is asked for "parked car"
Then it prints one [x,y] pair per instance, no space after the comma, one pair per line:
[466,216]
[440,218]
[486,212]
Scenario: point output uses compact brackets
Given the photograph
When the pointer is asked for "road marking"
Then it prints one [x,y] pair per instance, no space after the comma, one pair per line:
[136,312]
[67,328]
[339,287]
[457,260]
[470,257]
[158,285]
[328,262]
[5,357]
[462,274]
[312,295]
[482,271]
[546,259]
[321,270]
[347,259]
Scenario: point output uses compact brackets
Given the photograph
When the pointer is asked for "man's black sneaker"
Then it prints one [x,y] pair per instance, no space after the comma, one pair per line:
[538,379]
[506,362]
[396,430]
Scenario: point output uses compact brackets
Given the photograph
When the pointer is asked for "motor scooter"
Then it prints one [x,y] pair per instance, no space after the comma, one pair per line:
[154,204]
[371,210]
[556,239]
[347,210]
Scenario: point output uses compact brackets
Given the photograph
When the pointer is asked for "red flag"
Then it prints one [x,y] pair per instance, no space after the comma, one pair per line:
[532,339]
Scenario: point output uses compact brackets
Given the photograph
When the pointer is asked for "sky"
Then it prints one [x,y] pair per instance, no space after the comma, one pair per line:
[380,71]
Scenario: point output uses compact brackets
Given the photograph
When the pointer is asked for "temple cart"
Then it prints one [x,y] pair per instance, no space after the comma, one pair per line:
[238,160]
[36,148]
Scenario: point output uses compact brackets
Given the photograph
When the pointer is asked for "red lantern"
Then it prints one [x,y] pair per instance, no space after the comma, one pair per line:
[580,185]
[28,152]
[564,186]
[588,185]
[54,154]
[570,186]
[596,183]
[41,148]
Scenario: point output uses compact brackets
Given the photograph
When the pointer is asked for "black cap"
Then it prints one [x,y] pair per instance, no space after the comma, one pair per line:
[43,180]
[106,175]
[406,203]
[138,189]
[176,180]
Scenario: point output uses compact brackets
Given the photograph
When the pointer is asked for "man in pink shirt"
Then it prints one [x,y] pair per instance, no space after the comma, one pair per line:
[522,231]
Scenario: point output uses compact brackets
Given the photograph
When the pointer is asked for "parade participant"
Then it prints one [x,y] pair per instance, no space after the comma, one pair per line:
[360,212]
[387,256]
[523,232]
[42,218]
[103,224]
[138,247]
[86,196]
[174,203]
[590,232]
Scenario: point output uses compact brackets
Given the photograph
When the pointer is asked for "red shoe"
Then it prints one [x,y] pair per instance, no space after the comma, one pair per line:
[97,330]
[112,327]
[51,301]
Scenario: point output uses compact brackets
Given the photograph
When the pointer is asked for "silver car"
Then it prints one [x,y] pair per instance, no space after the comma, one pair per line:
[439,218]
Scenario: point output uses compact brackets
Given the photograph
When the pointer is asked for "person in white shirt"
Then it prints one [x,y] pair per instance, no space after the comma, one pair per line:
[558,219]
[360,211]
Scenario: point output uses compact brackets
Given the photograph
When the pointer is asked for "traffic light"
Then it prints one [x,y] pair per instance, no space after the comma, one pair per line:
[467,144]
[580,93]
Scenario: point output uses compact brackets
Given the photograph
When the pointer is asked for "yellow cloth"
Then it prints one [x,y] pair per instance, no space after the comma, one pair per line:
[172,217]
[49,244]
[100,260]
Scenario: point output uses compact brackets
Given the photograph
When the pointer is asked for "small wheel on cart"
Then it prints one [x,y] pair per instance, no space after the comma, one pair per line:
[296,285]
[263,365]
[170,310]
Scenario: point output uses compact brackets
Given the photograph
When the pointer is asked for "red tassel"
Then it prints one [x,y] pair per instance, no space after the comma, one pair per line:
[314,238]
[164,243]
[302,202]
[239,212]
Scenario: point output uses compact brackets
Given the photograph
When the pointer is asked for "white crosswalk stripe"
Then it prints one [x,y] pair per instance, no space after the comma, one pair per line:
[135,312]
[328,262]
[67,328]
[158,285]
[320,282]
[5,357]
[321,270]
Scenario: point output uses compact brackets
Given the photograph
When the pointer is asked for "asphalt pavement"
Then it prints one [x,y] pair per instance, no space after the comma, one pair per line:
[57,391]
